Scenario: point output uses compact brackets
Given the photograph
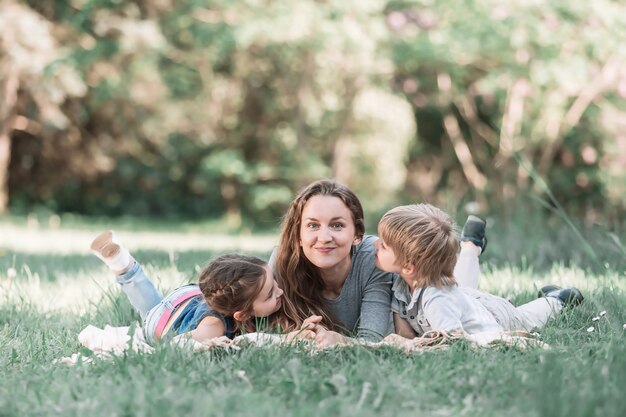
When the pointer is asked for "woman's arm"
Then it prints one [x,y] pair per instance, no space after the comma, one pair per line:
[375,317]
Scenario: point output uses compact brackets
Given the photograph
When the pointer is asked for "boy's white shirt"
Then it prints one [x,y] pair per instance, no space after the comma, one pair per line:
[446,309]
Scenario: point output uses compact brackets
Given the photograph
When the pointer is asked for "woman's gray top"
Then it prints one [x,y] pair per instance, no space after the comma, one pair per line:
[364,305]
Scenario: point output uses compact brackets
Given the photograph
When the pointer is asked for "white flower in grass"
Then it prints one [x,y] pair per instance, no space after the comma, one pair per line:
[624,326]
[590,329]
[595,319]
[241,374]
[602,313]
[11,272]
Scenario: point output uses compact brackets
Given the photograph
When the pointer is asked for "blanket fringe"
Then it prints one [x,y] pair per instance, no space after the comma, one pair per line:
[103,343]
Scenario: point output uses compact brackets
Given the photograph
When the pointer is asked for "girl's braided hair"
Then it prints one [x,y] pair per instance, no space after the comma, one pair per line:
[231,283]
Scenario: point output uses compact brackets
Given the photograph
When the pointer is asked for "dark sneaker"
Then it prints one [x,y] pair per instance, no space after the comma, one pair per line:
[474,231]
[570,297]
[543,292]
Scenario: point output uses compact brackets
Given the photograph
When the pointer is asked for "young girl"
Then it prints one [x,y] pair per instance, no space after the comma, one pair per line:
[233,290]
[419,243]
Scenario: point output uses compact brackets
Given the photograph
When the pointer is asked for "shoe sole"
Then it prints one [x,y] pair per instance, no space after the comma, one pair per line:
[483,243]
[103,244]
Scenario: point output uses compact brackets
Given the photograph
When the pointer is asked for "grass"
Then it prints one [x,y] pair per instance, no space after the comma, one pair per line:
[51,288]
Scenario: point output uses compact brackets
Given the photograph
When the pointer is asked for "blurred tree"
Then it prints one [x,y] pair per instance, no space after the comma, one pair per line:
[32,69]
[210,107]
[497,82]
[220,107]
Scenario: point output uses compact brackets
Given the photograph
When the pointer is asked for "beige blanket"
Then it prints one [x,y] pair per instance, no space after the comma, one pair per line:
[116,340]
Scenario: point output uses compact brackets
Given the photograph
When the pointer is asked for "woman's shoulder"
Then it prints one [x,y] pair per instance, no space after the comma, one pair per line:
[366,245]
[364,263]
[363,253]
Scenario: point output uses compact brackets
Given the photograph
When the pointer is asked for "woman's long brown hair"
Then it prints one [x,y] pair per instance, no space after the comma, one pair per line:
[300,280]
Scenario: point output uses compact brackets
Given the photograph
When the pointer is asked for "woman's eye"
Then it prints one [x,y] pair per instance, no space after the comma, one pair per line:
[311,225]
[337,225]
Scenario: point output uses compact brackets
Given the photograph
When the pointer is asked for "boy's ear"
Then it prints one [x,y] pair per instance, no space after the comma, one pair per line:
[240,315]
[408,269]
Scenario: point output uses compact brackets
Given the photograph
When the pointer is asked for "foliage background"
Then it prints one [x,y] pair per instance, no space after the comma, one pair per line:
[223,109]
[207,110]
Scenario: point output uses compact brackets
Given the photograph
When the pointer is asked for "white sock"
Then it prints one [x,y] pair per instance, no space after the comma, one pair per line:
[109,249]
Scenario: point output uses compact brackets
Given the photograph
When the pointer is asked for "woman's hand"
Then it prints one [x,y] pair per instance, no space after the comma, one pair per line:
[307,331]
[312,323]
[325,338]
[300,335]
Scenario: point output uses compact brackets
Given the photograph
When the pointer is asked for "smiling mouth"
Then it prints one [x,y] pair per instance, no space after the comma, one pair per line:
[325,250]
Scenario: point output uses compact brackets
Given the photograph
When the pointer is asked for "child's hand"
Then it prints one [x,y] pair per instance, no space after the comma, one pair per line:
[395,340]
[221,341]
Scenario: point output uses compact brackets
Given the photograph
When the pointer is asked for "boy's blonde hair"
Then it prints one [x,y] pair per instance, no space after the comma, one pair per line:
[424,236]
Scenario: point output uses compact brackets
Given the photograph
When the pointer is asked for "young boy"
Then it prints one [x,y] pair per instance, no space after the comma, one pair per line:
[419,243]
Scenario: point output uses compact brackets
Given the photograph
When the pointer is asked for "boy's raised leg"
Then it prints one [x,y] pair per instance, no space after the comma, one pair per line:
[473,243]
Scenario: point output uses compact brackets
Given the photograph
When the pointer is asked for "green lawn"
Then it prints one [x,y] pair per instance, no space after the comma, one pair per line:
[51,287]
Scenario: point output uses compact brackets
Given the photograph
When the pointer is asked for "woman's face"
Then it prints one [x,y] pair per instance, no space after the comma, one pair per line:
[327,233]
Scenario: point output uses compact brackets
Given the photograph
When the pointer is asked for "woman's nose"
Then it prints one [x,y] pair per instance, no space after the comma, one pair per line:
[324,234]
[279,292]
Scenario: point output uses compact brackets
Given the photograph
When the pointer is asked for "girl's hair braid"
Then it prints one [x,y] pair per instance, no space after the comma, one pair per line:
[231,283]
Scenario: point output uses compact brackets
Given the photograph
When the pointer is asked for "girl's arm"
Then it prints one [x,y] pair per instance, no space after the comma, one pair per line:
[402,327]
[208,328]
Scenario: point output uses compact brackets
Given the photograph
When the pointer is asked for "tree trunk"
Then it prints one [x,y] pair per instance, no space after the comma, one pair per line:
[8,113]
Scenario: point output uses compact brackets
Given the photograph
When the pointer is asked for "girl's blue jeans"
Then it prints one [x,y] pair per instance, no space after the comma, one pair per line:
[140,291]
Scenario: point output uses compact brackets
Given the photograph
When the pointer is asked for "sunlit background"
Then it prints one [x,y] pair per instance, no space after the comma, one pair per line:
[188,125]
[223,109]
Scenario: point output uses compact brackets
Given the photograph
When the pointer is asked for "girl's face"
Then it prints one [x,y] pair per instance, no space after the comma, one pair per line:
[386,259]
[327,233]
[269,299]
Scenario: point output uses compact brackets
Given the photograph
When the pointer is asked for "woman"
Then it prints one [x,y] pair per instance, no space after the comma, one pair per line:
[326,265]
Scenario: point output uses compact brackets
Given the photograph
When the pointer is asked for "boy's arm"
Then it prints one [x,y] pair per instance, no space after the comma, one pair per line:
[208,328]
[402,327]
[443,314]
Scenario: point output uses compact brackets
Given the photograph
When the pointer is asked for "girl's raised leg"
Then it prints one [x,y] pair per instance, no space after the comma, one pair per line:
[137,286]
